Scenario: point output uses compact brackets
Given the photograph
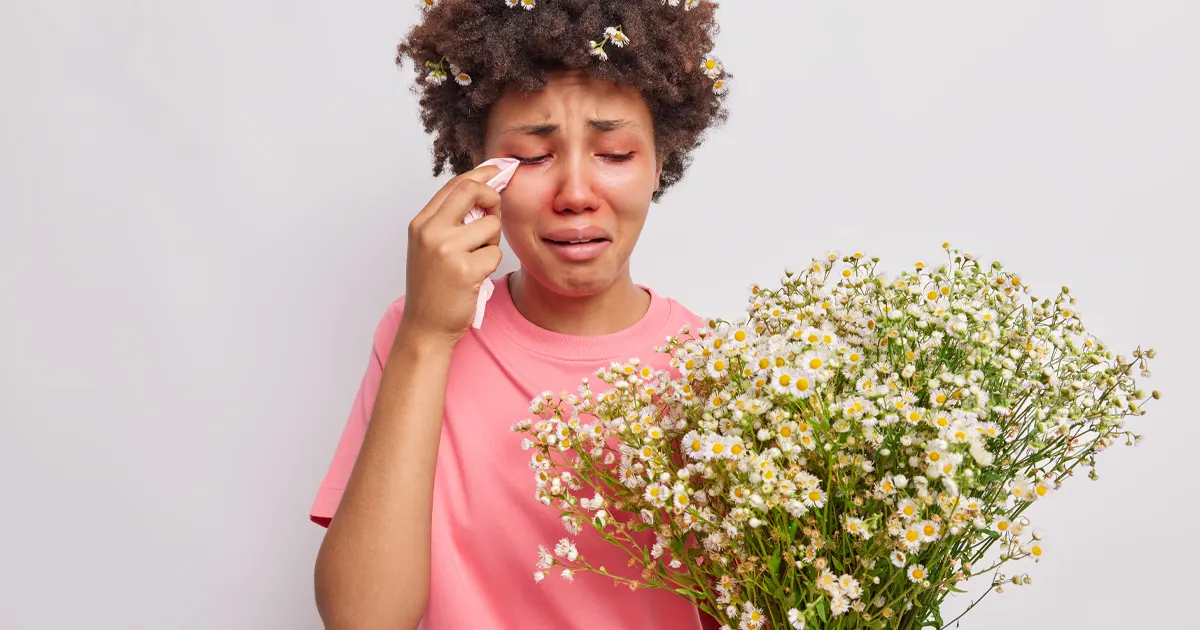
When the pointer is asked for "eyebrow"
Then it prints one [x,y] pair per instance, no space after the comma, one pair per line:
[549,129]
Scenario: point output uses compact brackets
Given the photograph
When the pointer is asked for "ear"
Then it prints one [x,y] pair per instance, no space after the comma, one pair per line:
[658,172]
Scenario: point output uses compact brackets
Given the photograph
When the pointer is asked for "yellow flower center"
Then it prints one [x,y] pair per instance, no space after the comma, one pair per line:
[785,432]
[802,384]
[739,335]
[719,365]
[785,380]
[911,535]
[918,574]
[717,448]
[696,446]
[815,363]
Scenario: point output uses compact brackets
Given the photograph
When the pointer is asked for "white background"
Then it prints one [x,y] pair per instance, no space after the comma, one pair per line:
[202,216]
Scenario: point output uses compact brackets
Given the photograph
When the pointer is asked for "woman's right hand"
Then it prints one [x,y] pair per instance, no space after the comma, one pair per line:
[448,261]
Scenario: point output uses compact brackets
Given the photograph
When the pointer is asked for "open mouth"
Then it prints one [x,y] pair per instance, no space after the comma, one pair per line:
[580,242]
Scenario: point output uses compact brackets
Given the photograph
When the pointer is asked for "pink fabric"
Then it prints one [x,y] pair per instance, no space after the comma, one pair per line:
[487,525]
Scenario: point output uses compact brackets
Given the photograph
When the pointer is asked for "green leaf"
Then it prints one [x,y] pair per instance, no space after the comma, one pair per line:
[821,612]
[991,534]
[837,564]
[774,562]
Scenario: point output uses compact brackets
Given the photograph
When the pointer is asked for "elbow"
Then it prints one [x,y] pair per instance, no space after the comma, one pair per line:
[346,602]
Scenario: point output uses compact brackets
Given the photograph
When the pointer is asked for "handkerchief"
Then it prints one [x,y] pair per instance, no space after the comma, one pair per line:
[508,166]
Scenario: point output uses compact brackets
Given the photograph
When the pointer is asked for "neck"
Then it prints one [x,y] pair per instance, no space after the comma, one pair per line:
[612,310]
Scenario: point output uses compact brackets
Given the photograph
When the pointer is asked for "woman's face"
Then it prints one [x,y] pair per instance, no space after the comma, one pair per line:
[574,209]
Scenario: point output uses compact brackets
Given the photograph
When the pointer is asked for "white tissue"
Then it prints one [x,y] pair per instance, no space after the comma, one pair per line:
[508,166]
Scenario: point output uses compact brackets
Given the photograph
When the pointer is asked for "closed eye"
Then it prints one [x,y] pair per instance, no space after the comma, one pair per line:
[532,160]
[618,157]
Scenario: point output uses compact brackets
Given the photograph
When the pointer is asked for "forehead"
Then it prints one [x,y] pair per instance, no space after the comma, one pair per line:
[571,98]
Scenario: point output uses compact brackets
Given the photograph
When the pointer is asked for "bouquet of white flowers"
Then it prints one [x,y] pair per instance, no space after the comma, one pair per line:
[844,457]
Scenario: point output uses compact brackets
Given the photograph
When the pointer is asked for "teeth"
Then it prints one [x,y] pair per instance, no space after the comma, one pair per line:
[577,242]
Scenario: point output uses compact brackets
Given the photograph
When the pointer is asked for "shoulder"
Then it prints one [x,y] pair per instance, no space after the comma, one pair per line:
[680,315]
[389,323]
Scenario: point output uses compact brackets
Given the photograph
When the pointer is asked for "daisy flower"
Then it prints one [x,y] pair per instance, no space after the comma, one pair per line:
[917,573]
[718,366]
[597,50]
[617,37]
[795,619]
[566,549]
[911,538]
[752,617]
[711,66]
[814,498]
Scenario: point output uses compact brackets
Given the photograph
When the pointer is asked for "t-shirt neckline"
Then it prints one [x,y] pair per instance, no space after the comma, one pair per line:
[634,341]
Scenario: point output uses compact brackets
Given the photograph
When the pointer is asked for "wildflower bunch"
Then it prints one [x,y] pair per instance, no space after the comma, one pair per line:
[847,454]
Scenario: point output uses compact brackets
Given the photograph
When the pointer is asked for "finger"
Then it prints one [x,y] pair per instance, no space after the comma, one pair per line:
[486,260]
[480,233]
[481,174]
[466,195]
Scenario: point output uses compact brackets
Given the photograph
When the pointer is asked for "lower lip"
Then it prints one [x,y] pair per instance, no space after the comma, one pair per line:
[578,252]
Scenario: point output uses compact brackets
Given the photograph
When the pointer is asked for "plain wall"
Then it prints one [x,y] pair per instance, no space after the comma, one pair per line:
[202,216]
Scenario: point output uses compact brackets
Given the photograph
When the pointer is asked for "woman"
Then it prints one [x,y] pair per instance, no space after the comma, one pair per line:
[602,101]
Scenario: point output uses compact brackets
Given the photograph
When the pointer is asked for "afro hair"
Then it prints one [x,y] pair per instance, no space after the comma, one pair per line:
[511,44]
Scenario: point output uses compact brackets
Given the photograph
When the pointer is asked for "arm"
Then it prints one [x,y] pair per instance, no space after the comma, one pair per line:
[373,566]
[372,570]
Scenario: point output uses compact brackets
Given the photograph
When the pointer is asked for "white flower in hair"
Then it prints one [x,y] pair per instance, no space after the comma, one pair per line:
[720,86]
[426,4]
[528,4]
[598,50]
[711,66]
[673,3]
[462,78]
[613,33]
[691,4]
[512,3]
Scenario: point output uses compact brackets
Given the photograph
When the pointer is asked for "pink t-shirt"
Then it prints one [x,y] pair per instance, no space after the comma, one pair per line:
[487,525]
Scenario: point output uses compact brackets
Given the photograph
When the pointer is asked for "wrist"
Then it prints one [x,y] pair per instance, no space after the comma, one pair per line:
[422,344]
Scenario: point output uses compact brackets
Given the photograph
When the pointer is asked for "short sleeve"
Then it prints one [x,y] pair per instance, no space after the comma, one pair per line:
[330,492]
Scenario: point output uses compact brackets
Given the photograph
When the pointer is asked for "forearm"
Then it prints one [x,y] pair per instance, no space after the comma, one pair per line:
[372,570]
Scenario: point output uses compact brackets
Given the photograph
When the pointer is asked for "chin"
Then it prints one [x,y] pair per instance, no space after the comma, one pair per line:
[574,280]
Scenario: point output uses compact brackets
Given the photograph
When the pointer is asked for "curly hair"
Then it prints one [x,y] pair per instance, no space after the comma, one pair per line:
[502,46]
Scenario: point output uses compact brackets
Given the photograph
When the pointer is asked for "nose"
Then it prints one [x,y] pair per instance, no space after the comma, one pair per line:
[576,185]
